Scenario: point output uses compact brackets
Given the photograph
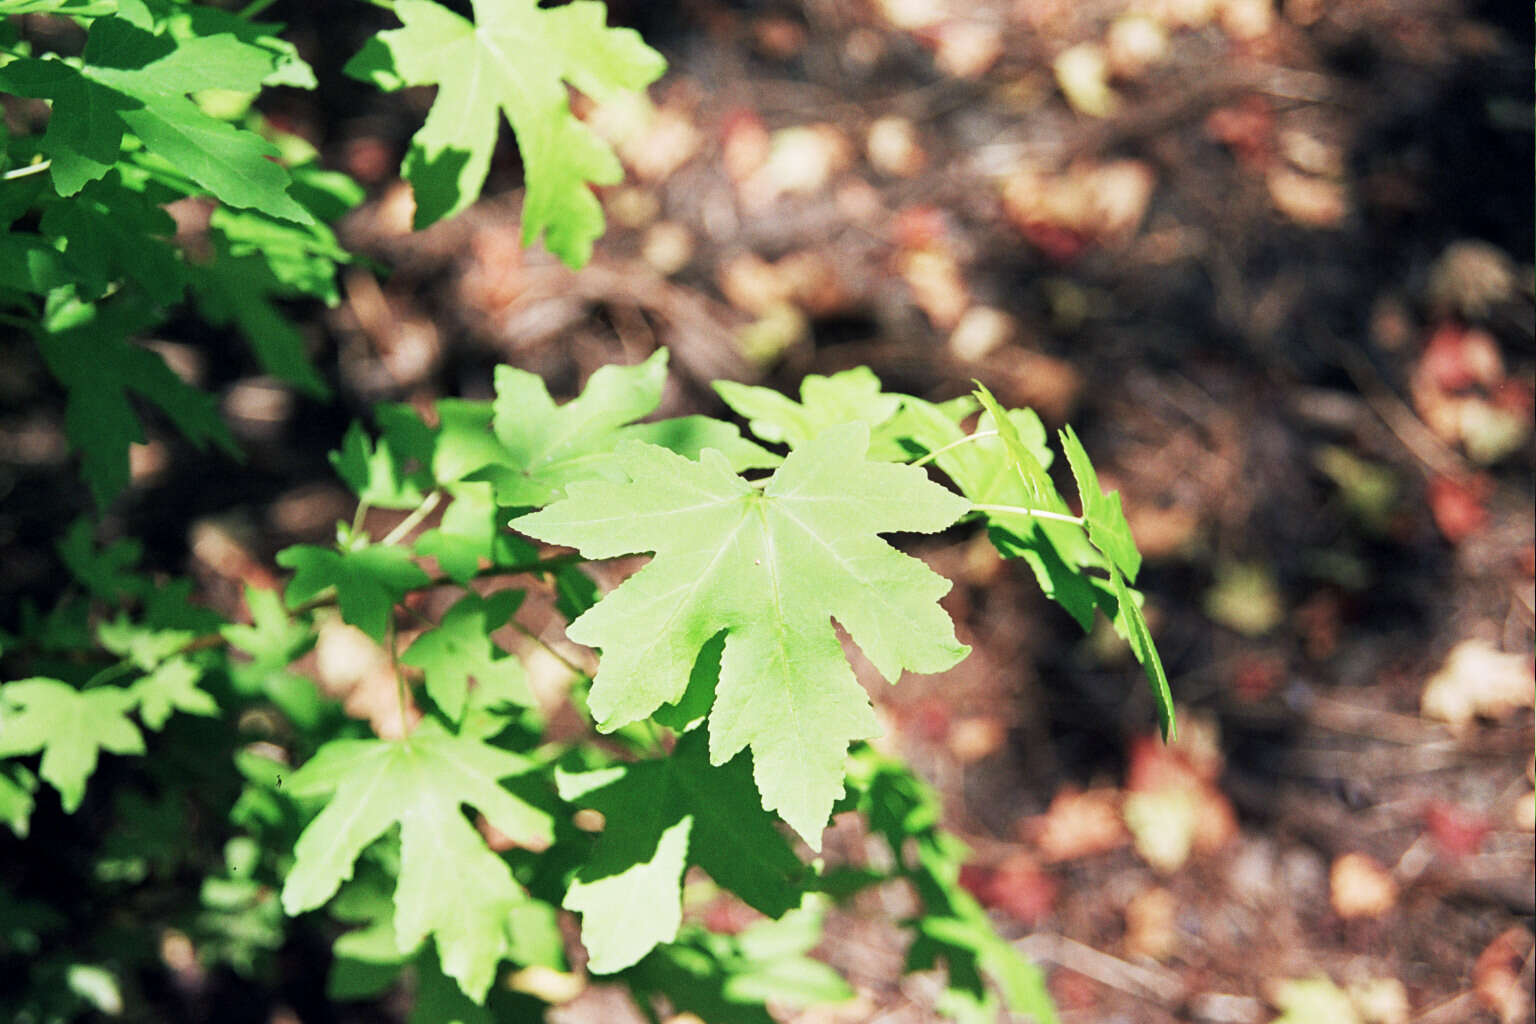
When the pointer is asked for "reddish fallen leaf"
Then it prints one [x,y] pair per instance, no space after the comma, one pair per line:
[1018,887]
[1149,924]
[1077,824]
[1457,831]
[1247,128]
[1360,887]
[1459,505]
[1074,991]
[1496,975]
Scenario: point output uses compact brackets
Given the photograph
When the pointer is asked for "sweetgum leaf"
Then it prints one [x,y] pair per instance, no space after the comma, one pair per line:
[661,816]
[69,726]
[771,567]
[460,647]
[515,57]
[369,581]
[451,885]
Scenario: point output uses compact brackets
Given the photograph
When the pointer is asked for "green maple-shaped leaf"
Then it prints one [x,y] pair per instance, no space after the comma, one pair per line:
[372,471]
[172,686]
[460,647]
[369,581]
[547,446]
[451,885]
[660,816]
[770,567]
[272,638]
[99,368]
[108,573]
[139,81]
[471,532]
[515,57]
[69,726]
[111,231]
[852,396]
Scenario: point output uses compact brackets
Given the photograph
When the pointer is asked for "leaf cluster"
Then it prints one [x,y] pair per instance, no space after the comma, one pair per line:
[445,852]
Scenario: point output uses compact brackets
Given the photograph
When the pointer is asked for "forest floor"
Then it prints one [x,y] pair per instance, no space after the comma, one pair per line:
[1273,261]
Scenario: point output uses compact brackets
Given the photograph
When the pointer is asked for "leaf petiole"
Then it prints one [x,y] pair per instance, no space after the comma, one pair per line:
[413,520]
[29,169]
[1038,513]
[967,439]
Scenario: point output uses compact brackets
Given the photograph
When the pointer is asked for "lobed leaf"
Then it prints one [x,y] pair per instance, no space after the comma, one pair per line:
[70,727]
[514,58]
[451,885]
[770,568]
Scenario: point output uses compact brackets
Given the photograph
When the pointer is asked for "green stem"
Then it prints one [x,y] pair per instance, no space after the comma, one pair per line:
[109,673]
[254,8]
[1038,513]
[359,516]
[413,520]
[30,169]
[967,439]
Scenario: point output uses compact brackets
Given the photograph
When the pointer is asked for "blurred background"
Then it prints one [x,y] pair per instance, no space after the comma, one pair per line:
[1272,259]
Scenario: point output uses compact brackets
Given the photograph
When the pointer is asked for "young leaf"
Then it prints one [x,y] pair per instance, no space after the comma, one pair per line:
[515,57]
[852,396]
[661,816]
[69,726]
[549,446]
[369,581]
[172,686]
[451,884]
[372,472]
[1107,527]
[273,638]
[460,647]
[771,567]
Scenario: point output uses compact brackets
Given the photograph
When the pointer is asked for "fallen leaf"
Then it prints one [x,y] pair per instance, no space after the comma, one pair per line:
[893,148]
[1149,924]
[981,330]
[1471,277]
[1458,505]
[1478,680]
[1247,128]
[1082,74]
[1314,1000]
[938,289]
[1163,824]
[1381,1001]
[1078,823]
[1308,200]
[1245,598]
[1457,831]
[1496,975]
[1360,887]
[967,49]
[1247,20]
[801,161]
[1018,887]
